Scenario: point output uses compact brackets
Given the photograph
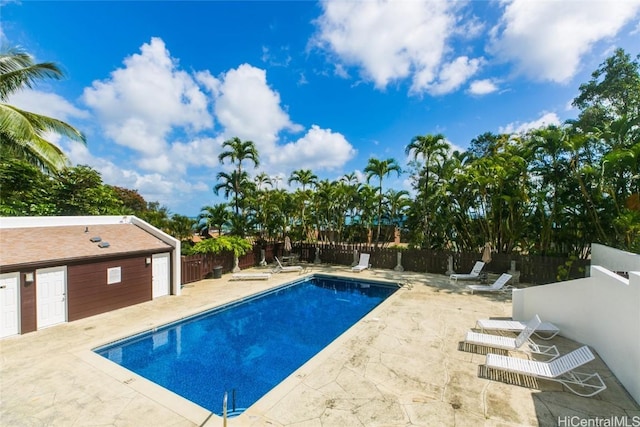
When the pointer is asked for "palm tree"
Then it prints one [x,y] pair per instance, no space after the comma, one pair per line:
[262,180]
[325,198]
[367,198]
[396,207]
[238,151]
[380,169]
[233,183]
[433,150]
[304,177]
[350,178]
[22,132]
[216,216]
[181,227]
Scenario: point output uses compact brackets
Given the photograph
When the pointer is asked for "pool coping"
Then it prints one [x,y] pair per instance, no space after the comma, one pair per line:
[196,413]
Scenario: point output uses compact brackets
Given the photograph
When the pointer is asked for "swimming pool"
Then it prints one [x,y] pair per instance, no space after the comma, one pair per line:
[248,347]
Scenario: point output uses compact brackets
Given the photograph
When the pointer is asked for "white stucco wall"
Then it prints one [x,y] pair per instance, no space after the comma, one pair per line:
[614,259]
[601,311]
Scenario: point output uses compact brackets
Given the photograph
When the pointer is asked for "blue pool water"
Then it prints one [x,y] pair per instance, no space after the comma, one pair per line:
[247,348]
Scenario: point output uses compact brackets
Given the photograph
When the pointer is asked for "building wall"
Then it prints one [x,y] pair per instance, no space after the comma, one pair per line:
[89,293]
[614,259]
[600,311]
[28,315]
[51,221]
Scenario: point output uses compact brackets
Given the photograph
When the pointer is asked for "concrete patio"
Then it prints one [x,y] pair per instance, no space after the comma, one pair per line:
[399,366]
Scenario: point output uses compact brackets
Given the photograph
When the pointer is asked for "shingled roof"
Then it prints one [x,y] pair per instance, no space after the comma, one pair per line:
[61,244]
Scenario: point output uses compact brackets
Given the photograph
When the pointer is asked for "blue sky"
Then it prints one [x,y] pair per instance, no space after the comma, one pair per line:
[157,86]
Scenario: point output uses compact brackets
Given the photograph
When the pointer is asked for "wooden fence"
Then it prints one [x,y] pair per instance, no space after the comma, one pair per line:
[533,269]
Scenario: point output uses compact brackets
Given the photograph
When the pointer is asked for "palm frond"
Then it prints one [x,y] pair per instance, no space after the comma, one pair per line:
[17,70]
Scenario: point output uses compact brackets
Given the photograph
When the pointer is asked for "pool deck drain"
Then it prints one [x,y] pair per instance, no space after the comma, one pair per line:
[399,366]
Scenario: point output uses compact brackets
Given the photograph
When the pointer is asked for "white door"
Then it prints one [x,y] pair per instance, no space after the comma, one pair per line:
[160,271]
[9,304]
[51,295]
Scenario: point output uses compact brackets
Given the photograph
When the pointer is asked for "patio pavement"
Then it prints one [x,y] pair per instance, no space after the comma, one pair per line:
[399,366]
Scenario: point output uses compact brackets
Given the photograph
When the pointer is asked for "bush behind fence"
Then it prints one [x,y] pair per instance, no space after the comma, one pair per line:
[534,269]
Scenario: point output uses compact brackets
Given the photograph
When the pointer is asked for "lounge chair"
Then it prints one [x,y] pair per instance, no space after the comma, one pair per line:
[363,263]
[497,286]
[474,275]
[475,340]
[524,372]
[251,276]
[286,268]
[545,330]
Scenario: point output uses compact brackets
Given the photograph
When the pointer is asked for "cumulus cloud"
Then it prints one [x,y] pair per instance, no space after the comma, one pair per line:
[161,120]
[143,102]
[391,40]
[318,150]
[248,108]
[482,87]
[452,76]
[50,105]
[545,119]
[547,39]
[152,186]
[181,155]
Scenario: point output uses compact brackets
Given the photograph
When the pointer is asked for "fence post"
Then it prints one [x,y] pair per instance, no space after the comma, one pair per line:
[450,269]
[399,266]
[515,275]
[236,266]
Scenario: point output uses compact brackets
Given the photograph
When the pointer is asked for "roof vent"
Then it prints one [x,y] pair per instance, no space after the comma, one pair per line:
[96,239]
[103,245]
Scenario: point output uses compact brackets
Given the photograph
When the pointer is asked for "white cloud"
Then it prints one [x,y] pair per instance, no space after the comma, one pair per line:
[452,76]
[152,186]
[48,104]
[248,108]
[547,39]
[281,58]
[318,150]
[142,103]
[393,40]
[251,110]
[545,119]
[482,87]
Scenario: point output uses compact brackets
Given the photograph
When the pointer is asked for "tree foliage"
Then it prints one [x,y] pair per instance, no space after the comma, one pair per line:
[552,190]
[22,133]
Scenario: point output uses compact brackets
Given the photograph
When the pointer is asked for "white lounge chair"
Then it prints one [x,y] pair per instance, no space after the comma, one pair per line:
[474,275]
[363,263]
[286,268]
[562,370]
[545,330]
[497,286]
[251,276]
[474,339]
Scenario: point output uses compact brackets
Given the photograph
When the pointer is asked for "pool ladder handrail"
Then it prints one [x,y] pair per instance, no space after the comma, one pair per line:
[224,410]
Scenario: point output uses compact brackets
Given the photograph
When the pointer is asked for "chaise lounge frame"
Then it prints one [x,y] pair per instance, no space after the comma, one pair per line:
[475,340]
[514,370]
